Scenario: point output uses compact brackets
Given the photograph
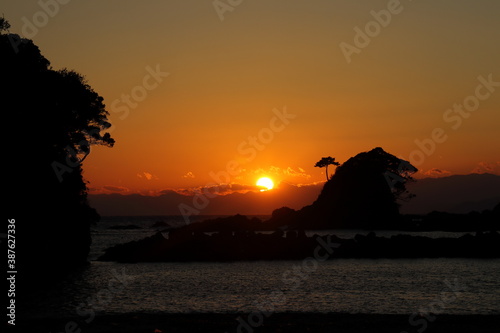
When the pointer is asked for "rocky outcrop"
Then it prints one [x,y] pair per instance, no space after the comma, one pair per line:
[233,246]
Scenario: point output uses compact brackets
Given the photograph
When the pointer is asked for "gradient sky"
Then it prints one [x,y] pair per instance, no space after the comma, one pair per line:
[227,76]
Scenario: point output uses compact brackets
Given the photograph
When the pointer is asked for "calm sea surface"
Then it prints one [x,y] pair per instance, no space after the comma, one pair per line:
[403,286]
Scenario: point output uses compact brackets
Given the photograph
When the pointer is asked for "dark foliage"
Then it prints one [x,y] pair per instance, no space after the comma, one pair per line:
[325,162]
[51,118]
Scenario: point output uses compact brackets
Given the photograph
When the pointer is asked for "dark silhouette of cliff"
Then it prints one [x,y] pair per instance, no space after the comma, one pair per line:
[51,119]
[362,194]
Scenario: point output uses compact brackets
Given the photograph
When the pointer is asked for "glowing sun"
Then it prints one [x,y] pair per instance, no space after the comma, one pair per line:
[265,182]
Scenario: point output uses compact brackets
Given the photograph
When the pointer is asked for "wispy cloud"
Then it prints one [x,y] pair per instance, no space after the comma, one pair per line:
[225,189]
[115,188]
[277,171]
[228,201]
[216,190]
[106,189]
[487,167]
[436,173]
[296,173]
[222,189]
[146,175]
[189,174]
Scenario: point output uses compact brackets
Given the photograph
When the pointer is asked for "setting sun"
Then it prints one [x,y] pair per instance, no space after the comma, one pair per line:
[265,182]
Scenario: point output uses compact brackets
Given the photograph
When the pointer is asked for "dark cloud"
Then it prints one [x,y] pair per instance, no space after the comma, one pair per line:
[116,189]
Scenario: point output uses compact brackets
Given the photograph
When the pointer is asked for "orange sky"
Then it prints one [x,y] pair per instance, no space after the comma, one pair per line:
[225,78]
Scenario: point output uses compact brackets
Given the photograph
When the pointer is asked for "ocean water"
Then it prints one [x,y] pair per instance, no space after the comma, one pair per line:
[398,286]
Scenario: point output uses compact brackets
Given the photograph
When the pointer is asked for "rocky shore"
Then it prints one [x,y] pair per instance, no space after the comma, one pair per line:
[232,246]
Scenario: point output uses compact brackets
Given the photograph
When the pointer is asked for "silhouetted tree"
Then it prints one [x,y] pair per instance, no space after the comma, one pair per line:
[51,118]
[4,24]
[325,162]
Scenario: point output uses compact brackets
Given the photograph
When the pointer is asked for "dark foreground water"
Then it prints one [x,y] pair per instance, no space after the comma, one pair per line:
[398,286]
[388,286]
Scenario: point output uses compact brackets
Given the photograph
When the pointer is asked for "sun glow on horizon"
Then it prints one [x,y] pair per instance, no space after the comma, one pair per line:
[265,182]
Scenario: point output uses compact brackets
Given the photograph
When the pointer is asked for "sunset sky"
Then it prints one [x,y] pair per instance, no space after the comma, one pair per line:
[270,87]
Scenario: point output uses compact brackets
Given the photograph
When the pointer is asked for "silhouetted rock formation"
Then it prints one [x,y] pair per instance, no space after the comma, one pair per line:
[51,119]
[185,245]
[285,218]
[361,194]
[230,223]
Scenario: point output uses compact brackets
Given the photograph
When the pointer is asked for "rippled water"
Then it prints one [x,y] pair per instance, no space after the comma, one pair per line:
[399,286]
[343,285]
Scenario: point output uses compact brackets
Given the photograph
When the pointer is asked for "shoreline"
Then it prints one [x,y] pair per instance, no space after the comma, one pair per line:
[270,322]
[186,245]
